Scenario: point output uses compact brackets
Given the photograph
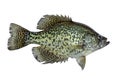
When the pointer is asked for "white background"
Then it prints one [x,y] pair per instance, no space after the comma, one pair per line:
[102,15]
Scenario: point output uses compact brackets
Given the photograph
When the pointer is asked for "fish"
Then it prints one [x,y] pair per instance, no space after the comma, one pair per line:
[59,39]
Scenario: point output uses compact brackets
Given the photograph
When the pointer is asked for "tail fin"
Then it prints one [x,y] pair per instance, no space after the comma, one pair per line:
[19,37]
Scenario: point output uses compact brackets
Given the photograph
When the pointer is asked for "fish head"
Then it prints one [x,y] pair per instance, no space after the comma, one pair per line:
[94,42]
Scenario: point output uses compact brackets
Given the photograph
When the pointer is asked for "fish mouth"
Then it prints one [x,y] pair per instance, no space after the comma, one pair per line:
[104,42]
[107,43]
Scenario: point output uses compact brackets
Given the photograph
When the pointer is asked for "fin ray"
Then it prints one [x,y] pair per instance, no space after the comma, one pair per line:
[18,37]
[44,55]
[48,21]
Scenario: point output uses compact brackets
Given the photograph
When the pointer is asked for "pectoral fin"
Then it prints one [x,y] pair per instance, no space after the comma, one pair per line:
[81,61]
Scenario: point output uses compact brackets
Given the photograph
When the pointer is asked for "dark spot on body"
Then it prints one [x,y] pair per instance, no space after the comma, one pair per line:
[49,38]
[61,37]
[46,41]
[35,37]
[66,50]
[63,44]
[43,36]
[53,40]
[73,36]
[73,39]
[49,44]
[59,41]
[65,39]
[62,47]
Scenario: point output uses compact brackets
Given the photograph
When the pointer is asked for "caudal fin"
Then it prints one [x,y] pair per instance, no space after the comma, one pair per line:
[19,37]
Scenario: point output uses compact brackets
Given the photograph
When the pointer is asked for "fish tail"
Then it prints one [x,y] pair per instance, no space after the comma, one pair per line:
[19,37]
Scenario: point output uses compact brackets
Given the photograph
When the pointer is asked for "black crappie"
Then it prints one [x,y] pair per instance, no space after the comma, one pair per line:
[59,39]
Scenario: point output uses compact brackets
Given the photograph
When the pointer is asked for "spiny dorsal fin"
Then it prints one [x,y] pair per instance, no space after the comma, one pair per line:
[48,21]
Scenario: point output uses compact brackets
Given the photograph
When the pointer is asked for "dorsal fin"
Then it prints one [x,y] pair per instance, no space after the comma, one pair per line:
[48,21]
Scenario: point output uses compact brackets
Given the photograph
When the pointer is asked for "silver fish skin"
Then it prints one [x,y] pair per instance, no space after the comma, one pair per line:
[59,39]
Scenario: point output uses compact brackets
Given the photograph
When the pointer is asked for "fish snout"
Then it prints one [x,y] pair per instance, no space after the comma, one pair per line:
[103,41]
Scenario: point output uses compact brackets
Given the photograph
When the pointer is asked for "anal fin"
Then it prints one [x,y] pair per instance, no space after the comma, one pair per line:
[43,54]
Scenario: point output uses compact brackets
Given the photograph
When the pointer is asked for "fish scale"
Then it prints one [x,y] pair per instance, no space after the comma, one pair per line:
[60,34]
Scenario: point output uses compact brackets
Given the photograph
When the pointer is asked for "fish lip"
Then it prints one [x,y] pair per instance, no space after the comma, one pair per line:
[103,43]
[108,42]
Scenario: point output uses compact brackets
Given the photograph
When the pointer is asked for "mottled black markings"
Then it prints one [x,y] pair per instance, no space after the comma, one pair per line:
[49,44]
[65,39]
[46,41]
[50,38]
[59,40]
[53,40]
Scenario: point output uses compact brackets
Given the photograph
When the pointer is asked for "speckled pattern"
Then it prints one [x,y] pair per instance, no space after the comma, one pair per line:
[59,39]
[65,38]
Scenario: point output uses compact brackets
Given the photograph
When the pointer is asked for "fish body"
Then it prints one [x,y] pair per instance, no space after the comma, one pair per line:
[59,39]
